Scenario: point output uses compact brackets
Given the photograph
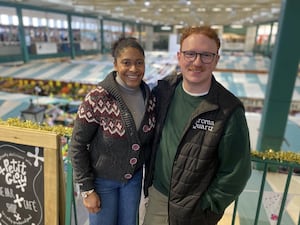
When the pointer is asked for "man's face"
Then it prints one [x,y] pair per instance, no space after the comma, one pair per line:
[197,68]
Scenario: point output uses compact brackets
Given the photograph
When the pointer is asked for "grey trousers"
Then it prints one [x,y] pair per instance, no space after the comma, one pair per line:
[156,208]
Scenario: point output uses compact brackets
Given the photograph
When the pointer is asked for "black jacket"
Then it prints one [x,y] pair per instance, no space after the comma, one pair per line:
[196,161]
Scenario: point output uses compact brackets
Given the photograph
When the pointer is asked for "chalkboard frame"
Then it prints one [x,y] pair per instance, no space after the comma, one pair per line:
[53,181]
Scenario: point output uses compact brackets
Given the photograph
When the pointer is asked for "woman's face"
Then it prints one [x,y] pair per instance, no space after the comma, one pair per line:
[130,65]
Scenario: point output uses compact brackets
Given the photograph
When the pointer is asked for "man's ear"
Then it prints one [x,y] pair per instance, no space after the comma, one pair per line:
[178,55]
[218,58]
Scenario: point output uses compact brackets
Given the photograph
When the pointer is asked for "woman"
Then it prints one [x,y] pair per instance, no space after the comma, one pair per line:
[111,139]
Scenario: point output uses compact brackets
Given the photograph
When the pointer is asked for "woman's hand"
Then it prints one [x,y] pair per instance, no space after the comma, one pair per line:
[92,202]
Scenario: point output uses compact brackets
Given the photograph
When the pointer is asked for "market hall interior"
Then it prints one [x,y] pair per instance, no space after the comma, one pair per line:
[259,63]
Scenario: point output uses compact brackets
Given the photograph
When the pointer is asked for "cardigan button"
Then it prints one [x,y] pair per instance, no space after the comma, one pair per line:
[146,128]
[133,161]
[127,176]
[135,147]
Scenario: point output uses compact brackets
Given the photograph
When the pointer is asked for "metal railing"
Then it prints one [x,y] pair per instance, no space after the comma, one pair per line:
[266,164]
[70,199]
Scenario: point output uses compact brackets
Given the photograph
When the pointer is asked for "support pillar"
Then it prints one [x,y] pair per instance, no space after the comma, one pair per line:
[282,77]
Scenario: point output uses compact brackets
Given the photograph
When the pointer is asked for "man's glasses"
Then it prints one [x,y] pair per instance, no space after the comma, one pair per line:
[205,57]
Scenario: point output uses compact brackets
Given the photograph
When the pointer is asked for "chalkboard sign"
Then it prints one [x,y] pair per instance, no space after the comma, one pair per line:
[21,184]
[31,184]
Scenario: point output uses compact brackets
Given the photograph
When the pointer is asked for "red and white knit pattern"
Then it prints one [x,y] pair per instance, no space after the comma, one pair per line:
[151,120]
[98,108]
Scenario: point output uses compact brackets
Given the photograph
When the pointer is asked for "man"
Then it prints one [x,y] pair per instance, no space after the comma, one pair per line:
[201,153]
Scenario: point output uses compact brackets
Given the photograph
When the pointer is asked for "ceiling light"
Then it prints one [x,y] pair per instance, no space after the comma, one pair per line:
[215,26]
[178,26]
[216,9]
[185,10]
[119,9]
[146,3]
[247,9]
[236,26]
[201,10]
[275,10]
[166,28]
[262,14]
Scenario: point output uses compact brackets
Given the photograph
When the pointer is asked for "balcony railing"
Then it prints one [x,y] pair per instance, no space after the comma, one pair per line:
[264,166]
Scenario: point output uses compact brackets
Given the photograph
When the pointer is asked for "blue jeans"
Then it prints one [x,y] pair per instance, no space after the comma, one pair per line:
[119,201]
